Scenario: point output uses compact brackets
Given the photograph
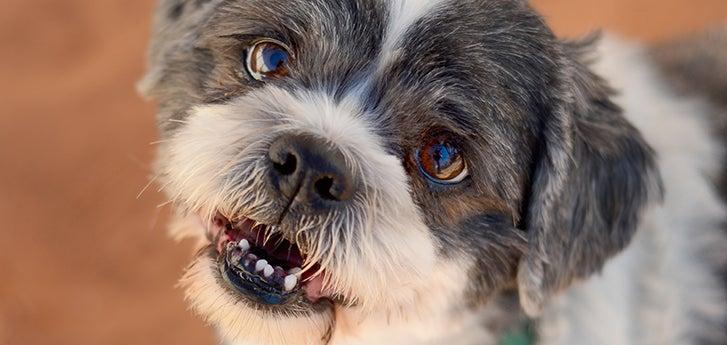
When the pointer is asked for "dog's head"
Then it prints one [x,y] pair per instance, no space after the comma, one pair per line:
[385,158]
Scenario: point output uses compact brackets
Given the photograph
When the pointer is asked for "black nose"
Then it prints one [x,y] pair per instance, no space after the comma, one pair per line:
[310,170]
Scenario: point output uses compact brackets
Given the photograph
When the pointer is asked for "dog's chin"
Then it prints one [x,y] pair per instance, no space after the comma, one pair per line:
[241,317]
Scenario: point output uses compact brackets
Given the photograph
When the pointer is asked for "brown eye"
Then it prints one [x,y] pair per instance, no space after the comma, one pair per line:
[268,59]
[441,160]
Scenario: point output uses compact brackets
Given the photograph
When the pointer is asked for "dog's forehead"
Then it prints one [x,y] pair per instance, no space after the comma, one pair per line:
[459,61]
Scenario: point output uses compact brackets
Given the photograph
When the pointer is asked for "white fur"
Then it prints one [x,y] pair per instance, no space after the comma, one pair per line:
[656,291]
[426,321]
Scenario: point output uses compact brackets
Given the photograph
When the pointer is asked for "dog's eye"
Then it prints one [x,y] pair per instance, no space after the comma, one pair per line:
[268,59]
[441,160]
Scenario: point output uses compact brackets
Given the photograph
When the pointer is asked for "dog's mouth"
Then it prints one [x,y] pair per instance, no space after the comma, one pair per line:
[264,266]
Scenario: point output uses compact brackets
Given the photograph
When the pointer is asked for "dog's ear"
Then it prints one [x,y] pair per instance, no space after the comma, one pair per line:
[594,175]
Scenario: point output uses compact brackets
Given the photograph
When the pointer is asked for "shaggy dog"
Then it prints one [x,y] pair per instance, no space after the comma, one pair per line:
[438,172]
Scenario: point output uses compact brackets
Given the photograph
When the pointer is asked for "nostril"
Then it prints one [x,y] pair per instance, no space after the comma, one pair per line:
[308,170]
[325,189]
[288,166]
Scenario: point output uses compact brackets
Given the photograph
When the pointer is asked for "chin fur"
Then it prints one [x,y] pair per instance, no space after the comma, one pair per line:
[237,321]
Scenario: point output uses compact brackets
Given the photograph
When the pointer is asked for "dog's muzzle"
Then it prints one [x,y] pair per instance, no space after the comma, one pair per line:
[266,263]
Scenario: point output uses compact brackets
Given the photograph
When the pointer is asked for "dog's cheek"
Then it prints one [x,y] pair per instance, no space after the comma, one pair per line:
[195,163]
[490,248]
[394,255]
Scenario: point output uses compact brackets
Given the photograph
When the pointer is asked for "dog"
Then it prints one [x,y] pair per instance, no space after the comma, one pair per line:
[438,172]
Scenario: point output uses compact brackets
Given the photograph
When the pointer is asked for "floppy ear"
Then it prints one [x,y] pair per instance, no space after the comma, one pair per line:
[594,175]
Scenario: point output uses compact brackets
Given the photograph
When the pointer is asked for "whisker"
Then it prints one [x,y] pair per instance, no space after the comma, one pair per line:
[165,203]
[138,196]
[161,141]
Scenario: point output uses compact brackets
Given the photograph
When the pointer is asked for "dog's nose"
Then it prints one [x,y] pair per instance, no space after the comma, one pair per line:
[310,170]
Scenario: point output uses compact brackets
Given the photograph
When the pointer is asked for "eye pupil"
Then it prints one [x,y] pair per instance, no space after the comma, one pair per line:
[442,156]
[441,161]
[275,58]
[268,60]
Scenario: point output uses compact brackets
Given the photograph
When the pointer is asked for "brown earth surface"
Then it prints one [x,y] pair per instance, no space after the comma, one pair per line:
[83,260]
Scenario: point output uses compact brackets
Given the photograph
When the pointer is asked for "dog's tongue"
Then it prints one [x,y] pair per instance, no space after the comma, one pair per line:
[314,288]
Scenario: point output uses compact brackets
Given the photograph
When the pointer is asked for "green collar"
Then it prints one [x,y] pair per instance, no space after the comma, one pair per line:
[521,335]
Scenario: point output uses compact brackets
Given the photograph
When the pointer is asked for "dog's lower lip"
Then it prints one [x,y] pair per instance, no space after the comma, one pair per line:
[269,288]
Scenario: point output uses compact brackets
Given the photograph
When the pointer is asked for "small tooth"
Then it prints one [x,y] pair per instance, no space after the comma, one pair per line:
[268,271]
[260,265]
[246,263]
[244,245]
[251,257]
[295,270]
[290,282]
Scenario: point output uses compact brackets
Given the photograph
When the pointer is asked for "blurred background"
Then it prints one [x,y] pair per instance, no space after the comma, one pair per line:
[82,259]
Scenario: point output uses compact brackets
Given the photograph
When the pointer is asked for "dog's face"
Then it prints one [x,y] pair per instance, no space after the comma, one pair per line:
[396,159]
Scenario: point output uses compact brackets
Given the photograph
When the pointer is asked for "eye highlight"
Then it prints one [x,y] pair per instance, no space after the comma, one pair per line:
[440,159]
[267,59]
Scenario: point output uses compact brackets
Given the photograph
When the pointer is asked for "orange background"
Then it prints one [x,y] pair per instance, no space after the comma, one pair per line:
[83,260]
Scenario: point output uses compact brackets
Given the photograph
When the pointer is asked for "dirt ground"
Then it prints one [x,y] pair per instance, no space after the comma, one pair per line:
[83,260]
